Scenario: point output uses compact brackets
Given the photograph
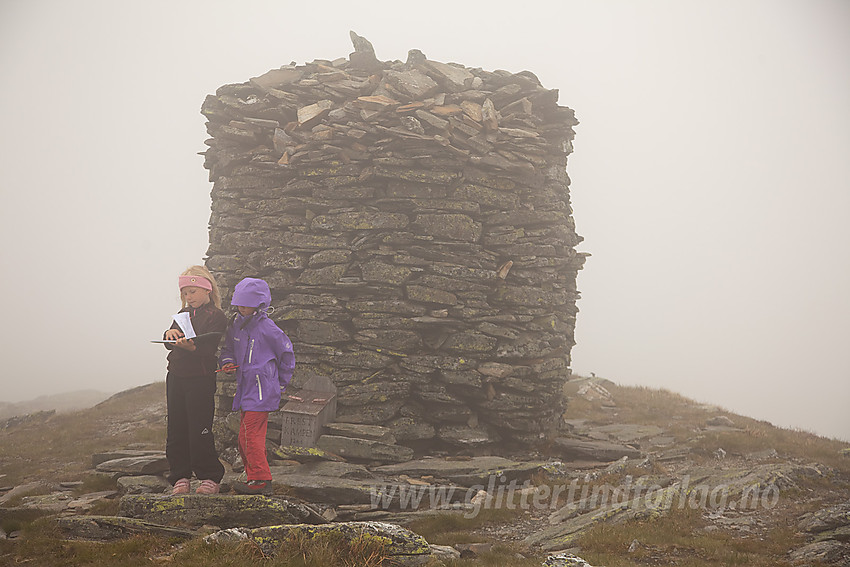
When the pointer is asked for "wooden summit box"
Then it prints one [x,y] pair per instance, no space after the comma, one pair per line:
[307,411]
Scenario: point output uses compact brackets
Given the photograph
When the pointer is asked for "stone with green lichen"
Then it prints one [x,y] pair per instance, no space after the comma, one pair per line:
[529,296]
[417,175]
[384,273]
[362,359]
[488,196]
[428,363]
[337,491]
[390,339]
[364,449]
[359,394]
[321,332]
[493,181]
[412,429]
[107,528]
[373,413]
[449,225]
[322,276]
[452,284]
[430,295]
[335,256]
[217,509]
[396,306]
[470,341]
[302,454]
[367,220]
[467,472]
[300,240]
[403,546]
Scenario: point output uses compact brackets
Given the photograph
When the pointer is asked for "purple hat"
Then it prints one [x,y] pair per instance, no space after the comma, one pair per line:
[252,292]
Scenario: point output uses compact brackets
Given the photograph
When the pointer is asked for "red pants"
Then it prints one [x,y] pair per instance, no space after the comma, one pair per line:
[252,444]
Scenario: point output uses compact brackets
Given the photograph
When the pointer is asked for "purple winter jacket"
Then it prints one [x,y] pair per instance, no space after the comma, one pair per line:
[260,348]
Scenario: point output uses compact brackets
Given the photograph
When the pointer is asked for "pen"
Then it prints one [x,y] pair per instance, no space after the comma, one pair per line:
[223,370]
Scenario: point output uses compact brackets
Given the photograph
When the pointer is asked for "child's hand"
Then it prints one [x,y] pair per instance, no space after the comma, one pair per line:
[229,368]
[185,344]
[173,334]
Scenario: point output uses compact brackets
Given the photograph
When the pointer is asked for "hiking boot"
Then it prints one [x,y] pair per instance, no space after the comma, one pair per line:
[253,487]
[207,487]
[180,487]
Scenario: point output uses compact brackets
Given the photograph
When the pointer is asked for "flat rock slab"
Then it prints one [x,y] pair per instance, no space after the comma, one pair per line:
[142,465]
[467,472]
[364,449]
[332,469]
[22,490]
[144,484]
[107,528]
[586,449]
[372,432]
[404,546]
[217,509]
[628,432]
[328,490]
[99,458]
[700,486]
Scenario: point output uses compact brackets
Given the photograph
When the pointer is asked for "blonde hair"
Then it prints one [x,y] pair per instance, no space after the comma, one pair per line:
[215,295]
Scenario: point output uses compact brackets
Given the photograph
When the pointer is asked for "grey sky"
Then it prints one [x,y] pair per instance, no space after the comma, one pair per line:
[711,177]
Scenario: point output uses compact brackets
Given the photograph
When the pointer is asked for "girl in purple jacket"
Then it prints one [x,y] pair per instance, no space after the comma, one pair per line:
[261,354]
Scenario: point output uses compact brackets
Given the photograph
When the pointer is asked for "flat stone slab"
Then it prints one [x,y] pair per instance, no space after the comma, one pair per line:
[371,432]
[99,458]
[586,449]
[467,472]
[142,465]
[629,432]
[333,470]
[217,509]
[737,489]
[364,449]
[328,490]
[144,484]
[108,528]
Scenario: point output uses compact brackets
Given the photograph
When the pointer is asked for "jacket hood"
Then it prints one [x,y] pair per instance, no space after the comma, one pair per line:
[252,292]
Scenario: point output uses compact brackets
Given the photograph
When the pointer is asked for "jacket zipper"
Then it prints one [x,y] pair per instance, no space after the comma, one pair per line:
[251,351]
[259,387]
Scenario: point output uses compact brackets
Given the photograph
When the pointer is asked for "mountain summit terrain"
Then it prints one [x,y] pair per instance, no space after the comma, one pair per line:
[636,476]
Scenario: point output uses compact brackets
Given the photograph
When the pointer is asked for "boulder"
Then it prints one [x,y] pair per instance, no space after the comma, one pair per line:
[217,509]
[364,449]
[403,546]
[108,528]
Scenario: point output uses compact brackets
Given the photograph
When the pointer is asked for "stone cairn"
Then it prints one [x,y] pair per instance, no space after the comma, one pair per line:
[414,224]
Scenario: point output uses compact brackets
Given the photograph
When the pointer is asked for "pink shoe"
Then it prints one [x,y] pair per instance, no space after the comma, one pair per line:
[180,487]
[207,487]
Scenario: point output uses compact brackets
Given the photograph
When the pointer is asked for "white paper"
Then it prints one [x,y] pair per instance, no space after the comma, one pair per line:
[185,324]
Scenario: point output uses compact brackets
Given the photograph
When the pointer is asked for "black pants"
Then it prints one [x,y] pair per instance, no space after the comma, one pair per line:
[189,445]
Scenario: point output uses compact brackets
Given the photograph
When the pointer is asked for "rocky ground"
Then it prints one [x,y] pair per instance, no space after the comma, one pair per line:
[726,477]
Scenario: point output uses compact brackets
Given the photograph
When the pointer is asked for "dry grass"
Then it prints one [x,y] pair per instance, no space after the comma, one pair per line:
[60,447]
[449,528]
[681,538]
[298,551]
[685,419]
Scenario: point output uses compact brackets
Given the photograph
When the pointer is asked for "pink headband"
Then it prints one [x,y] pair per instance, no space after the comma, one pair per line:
[195,281]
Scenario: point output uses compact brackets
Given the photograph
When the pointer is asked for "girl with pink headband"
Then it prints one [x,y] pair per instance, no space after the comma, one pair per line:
[190,385]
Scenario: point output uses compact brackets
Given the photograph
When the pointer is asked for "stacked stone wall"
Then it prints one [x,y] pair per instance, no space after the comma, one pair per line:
[414,224]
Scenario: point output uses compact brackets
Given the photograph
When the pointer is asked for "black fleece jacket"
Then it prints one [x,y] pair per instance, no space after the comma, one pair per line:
[205,319]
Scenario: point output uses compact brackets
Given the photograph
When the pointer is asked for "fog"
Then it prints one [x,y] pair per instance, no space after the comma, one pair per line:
[710,178]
